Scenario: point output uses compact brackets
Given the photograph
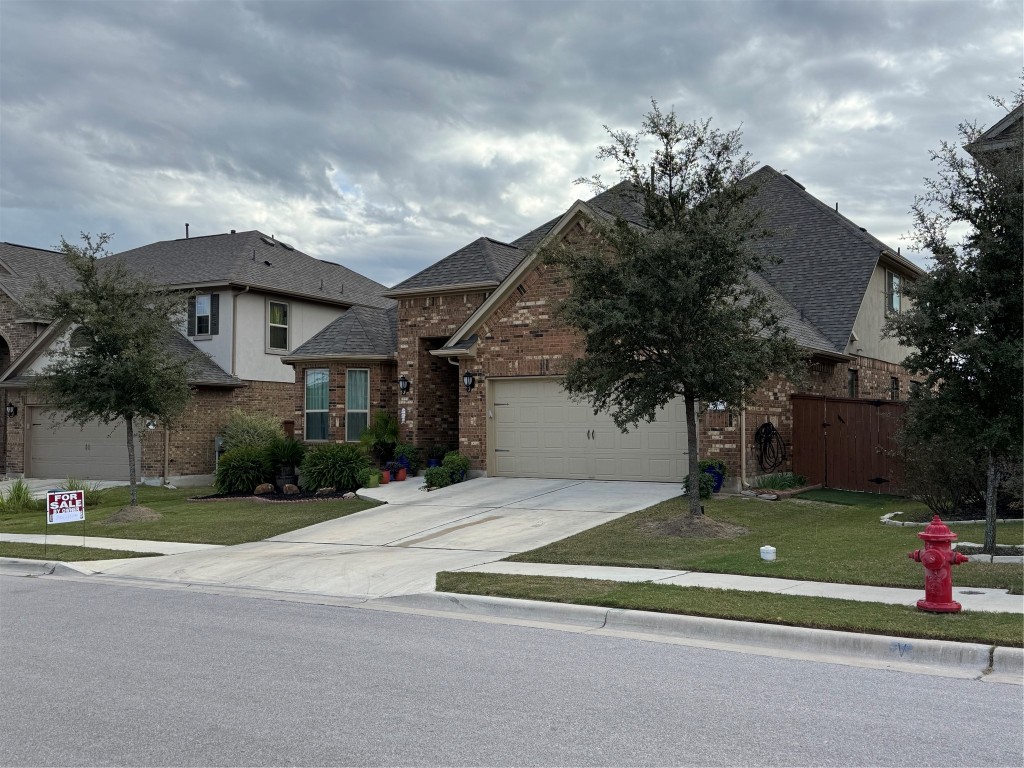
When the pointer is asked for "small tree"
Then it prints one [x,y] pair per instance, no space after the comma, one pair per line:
[669,310]
[116,366]
[964,317]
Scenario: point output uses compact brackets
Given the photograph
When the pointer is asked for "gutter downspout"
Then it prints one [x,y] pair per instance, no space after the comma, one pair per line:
[743,447]
[167,454]
[234,329]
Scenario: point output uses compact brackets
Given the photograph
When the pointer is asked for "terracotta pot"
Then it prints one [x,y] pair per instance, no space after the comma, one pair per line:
[385,477]
[400,473]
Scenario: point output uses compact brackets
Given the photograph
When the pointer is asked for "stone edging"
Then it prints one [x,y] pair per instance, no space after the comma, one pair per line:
[261,500]
[886,519]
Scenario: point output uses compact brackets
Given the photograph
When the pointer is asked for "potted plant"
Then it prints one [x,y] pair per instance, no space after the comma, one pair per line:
[435,454]
[396,470]
[380,438]
[285,454]
[408,456]
[715,468]
[385,476]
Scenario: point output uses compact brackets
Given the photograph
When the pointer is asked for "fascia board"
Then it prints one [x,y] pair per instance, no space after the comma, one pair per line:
[291,360]
[445,352]
[442,290]
[576,211]
[898,260]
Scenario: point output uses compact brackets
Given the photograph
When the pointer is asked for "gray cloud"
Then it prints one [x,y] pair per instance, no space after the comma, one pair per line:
[386,135]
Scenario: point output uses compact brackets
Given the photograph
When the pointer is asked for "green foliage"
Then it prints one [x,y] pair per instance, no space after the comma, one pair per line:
[251,430]
[706,484]
[380,438]
[671,310]
[456,465]
[779,481]
[241,469]
[285,453]
[18,498]
[411,453]
[437,451]
[437,477]
[335,465]
[369,477]
[120,368]
[93,493]
[964,316]
[716,464]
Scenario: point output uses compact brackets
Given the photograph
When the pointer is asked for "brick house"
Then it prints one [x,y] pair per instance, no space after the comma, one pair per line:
[475,338]
[253,301]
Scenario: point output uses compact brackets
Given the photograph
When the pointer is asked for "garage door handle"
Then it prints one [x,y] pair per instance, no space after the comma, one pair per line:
[502,450]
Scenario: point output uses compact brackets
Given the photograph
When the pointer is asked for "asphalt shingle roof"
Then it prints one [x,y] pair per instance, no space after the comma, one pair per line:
[29,265]
[483,261]
[360,331]
[242,258]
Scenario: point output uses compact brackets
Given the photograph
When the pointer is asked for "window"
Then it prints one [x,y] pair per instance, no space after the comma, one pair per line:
[852,382]
[203,315]
[316,404]
[357,402]
[915,388]
[894,388]
[893,284]
[277,326]
[81,338]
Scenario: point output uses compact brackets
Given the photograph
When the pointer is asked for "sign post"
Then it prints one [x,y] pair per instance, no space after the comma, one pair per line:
[65,507]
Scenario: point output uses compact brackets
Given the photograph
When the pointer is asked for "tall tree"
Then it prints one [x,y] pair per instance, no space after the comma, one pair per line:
[965,315]
[668,309]
[115,365]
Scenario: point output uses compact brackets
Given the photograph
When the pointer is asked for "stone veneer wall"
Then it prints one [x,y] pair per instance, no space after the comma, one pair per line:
[383,393]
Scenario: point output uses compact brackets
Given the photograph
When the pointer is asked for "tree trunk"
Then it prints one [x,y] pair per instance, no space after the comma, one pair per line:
[691,446]
[131,463]
[989,547]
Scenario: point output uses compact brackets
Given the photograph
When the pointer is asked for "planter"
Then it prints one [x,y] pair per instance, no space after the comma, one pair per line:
[404,462]
[719,478]
[433,463]
[398,474]
[385,477]
[374,480]
[282,480]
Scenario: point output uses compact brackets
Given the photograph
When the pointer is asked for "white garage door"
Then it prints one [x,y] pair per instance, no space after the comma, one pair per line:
[93,452]
[539,432]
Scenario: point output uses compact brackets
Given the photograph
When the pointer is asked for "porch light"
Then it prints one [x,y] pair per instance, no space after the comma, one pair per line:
[12,410]
[403,384]
[468,380]
[150,424]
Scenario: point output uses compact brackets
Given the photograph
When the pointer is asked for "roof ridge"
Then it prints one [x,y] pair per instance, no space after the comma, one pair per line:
[33,248]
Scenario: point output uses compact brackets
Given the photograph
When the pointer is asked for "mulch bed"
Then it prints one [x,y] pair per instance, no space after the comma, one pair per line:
[132,515]
[693,527]
[279,498]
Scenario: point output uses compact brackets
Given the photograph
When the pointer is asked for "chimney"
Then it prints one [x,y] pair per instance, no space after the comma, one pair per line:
[232,231]
[186,230]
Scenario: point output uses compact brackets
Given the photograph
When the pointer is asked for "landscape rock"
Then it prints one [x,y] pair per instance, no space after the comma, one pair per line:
[291,490]
[265,488]
[349,495]
[768,496]
[324,491]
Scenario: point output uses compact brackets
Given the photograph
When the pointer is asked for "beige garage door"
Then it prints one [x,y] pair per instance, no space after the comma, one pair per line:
[539,432]
[93,452]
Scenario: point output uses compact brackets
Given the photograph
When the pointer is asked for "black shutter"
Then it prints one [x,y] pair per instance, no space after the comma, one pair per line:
[191,316]
[215,314]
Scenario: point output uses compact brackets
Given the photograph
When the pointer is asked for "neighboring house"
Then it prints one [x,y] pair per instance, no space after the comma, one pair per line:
[253,300]
[477,342]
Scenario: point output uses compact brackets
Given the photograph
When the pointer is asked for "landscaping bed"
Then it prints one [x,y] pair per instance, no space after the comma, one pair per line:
[278,498]
[764,607]
[841,543]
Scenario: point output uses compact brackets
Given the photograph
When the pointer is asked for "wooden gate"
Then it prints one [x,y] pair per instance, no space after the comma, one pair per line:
[846,443]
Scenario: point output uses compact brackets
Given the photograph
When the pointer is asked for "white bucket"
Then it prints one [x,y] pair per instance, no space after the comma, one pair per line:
[767,553]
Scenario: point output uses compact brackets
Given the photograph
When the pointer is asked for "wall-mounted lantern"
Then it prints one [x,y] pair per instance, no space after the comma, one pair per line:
[403,384]
[150,424]
[468,380]
[12,410]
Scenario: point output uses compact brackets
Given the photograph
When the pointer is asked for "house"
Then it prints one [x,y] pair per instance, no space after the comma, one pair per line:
[478,352]
[254,300]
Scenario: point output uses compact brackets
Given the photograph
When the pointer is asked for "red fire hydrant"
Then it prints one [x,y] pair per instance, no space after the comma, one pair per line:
[938,559]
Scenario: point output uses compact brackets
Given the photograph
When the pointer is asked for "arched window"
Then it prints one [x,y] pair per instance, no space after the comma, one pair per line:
[80,338]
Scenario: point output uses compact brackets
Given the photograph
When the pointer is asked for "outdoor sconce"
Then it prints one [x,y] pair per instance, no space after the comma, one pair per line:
[150,424]
[12,410]
[403,384]
[468,380]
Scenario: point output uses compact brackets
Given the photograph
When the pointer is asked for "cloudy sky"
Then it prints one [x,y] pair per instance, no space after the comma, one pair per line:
[385,135]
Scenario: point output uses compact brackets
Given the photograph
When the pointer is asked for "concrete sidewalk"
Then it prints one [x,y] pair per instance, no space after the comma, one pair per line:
[99,542]
[971,598]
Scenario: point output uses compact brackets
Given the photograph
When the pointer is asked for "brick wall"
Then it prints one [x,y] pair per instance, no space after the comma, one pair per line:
[17,335]
[383,392]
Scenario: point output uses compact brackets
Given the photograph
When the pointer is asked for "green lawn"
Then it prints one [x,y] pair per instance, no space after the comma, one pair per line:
[215,522]
[64,554]
[815,541]
[818,612]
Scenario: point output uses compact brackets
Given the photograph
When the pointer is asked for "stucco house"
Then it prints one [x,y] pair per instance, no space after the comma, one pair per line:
[254,300]
[477,351]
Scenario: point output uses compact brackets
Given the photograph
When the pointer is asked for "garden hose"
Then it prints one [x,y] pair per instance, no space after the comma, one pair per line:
[771,450]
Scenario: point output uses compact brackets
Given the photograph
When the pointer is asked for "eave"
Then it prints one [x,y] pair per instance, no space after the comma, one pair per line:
[294,359]
[440,290]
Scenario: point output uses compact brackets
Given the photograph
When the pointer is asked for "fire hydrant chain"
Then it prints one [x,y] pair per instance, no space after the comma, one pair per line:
[938,559]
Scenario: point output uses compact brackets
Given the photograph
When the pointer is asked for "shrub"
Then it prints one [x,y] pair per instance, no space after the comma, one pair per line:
[335,465]
[367,475]
[779,481]
[380,438]
[240,470]
[437,477]
[251,430]
[706,484]
[285,453]
[456,464]
[93,492]
[411,454]
[18,498]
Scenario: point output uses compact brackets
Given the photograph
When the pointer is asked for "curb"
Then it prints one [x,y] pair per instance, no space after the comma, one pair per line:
[14,566]
[965,659]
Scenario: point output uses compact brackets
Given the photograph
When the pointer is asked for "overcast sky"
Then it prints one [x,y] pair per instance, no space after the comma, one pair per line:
[386,135]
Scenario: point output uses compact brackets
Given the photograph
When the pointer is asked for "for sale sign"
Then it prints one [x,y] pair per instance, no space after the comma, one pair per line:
[65,506]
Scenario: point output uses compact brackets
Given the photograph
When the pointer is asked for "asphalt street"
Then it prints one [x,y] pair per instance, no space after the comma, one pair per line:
[111,674]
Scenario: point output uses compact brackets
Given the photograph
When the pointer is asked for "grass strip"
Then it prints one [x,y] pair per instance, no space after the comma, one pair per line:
[64,554]
[220,522]
[815,542]
[1004,629]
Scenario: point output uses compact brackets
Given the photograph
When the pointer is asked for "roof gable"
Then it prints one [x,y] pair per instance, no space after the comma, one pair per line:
[482,262]
[26,266]
[359,332]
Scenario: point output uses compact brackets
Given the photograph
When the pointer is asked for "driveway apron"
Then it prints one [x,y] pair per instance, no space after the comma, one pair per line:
[398,548]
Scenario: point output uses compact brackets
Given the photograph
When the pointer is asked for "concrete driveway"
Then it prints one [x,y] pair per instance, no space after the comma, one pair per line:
[398,548]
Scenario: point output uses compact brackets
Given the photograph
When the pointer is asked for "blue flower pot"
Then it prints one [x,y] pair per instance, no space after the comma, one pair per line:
[718,477]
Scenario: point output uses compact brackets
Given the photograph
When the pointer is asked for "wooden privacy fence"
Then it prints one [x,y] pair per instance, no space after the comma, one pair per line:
[846,443]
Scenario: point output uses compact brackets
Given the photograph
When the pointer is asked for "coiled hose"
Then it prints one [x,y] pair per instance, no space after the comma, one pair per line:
[771,450]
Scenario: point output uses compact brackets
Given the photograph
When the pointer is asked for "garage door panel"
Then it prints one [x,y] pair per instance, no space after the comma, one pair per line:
[94,451]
